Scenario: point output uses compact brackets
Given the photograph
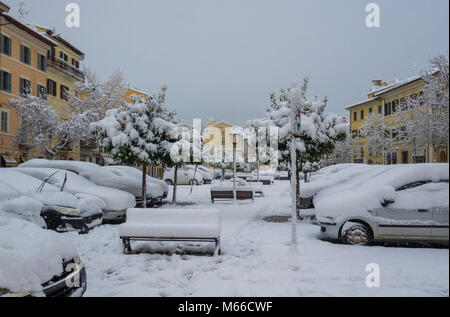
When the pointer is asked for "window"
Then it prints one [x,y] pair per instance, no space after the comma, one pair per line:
[404,103]
[412,185]
[63,56]
[380,109]
[42,92]
[370,151]
[370,110]
[25,87]
[354,134]
[362,114]
[51,87]
[64,92]
[41,62]
[5,81]
[395,104]
[25,54]
[362,152]
[5,45]
[355,116]
[421,98]
[395,133]
[75,63]
[387,109]
[4,121]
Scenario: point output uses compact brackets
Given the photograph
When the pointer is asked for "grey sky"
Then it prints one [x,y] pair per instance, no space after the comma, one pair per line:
[223,58]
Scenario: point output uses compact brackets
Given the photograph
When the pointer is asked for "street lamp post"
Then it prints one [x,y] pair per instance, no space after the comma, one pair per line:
[234,165]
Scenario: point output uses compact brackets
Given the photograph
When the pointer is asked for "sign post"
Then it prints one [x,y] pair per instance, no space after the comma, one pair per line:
[296,125]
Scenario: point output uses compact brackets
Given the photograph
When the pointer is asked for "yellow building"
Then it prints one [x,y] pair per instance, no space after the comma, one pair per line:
[23,68]
[385,99]
[64,72]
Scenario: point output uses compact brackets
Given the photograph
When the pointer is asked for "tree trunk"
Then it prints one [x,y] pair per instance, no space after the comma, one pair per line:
[144,186]
[175,180]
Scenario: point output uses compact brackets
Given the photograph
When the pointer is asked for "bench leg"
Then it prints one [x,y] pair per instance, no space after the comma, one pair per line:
[127,246]
[217,250]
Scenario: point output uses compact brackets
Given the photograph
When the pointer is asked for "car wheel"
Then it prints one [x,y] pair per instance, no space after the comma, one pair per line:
[169,182]
[193,182]
[356,234]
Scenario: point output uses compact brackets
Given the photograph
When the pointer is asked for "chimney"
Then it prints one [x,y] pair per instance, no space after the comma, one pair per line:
[4,8]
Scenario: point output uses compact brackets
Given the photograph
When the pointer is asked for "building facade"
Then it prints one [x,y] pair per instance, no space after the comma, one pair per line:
[23,69]
[386,99]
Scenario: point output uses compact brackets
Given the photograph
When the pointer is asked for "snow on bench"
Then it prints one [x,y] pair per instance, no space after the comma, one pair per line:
[266,180]
[197,225]
[226,192]
[258,188]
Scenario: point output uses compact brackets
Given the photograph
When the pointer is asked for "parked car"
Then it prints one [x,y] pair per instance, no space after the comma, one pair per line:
[103,177]
[116,201]
[48,207]
[396,203]
[185,176]
[151,182]
[37,262]
[205,173]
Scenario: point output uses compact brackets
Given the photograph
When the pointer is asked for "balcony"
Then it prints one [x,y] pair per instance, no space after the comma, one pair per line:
[66,68]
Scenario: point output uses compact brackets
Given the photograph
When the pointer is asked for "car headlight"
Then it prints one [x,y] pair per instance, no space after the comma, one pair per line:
[67,211]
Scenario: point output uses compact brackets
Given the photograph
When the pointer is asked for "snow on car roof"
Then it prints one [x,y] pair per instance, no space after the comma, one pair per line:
[23,184]
[367,191]
[29,255]
[97,174]
[114,199]
[7,192]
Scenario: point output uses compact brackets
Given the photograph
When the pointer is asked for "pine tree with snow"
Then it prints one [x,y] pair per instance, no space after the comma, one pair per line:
[138,134]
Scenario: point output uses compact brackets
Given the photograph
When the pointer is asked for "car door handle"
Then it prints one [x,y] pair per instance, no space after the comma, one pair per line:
[423,210]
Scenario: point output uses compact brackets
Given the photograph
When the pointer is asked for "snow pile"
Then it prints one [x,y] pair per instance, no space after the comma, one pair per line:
[425,197]
[30,256]
[23,184]
[370,190]
[25,208]
[7,192]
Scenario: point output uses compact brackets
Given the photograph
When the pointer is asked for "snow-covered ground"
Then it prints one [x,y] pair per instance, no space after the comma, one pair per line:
[255,261]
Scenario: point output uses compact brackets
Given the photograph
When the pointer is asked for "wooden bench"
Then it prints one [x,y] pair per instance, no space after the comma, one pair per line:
[227,193]
[263,181]
[179,225]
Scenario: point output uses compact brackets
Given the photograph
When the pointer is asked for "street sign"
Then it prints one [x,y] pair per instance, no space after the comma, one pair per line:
[297,128]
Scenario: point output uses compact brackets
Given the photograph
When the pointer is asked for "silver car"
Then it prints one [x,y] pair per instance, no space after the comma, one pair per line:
[417,211]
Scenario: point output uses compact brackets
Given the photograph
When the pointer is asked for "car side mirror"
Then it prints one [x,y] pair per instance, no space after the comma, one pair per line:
[387,202]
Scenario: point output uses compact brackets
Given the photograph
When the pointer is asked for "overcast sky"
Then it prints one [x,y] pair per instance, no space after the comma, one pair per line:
[223,58]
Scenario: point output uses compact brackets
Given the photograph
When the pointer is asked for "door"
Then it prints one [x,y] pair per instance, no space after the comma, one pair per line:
[404,222]
[440,228]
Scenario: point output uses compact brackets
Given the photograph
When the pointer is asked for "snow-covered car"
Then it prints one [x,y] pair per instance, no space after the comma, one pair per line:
[397,202]
[152,182]
[37,262]
[205,173]
[185,176]
[46,206]
[103,177]
[329,177]
[116,201]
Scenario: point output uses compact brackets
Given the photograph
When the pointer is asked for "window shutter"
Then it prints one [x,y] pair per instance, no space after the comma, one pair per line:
[8,82]
[22,54]
[39,61]
[1,80]
[2,43]
[8,41]
[44,66]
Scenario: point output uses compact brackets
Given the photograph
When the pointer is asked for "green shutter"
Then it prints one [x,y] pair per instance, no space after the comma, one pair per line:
[44,67]
[22,54]
[1,80]
[2,45]
[8,40]
[21,88]
[8,82]
[39,61]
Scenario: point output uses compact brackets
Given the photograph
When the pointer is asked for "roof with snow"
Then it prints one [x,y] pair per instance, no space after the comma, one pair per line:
[386,89]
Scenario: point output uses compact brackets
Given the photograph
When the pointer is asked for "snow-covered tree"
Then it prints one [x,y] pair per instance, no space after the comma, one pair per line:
[92,98]
[429,114]
[377,132]
[40,126]
[319,130]
[138,134]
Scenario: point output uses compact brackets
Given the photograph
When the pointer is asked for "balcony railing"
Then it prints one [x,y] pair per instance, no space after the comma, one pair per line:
[66,68]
